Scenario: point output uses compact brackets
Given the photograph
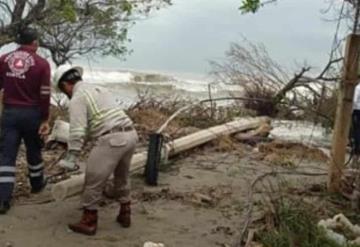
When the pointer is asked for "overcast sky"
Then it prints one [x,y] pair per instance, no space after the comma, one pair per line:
[184,37]
[181,39]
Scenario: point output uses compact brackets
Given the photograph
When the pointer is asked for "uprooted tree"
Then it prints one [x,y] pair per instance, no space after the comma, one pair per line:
[347,11]
[269,86]
[72,28]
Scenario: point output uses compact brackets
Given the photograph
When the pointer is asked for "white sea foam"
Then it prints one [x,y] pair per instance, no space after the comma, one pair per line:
[303,131]
[104,77]
[130,78]
[127,85]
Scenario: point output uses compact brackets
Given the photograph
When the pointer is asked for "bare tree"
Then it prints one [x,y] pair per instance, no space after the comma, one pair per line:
[250,66]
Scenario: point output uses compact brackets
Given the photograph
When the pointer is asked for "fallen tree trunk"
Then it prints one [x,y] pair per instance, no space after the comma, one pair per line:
[74,185]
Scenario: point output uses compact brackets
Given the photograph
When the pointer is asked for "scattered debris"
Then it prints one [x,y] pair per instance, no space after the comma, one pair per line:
[225,143]
[255,136]
[279,160]
[341,230]
[205,197]
[223,229]
[148,121]
[9,244]
[200,199]
[293,149]
[151,244]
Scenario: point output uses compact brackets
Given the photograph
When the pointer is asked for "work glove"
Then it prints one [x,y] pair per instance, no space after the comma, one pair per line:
[69,162]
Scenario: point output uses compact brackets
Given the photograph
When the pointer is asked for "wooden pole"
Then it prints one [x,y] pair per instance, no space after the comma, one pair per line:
[343,112]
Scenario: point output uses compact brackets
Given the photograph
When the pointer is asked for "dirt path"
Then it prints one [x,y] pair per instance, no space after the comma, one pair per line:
[199,202]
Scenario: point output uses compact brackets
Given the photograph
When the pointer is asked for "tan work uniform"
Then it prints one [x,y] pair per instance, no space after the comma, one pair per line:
[95,113]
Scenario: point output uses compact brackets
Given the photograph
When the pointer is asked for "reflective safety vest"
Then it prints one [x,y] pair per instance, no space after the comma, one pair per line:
[93,111]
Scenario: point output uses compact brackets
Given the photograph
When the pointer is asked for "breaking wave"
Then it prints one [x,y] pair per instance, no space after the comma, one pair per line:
[131,78]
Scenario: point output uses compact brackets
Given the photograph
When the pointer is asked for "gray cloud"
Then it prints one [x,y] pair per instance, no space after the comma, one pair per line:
[182,38]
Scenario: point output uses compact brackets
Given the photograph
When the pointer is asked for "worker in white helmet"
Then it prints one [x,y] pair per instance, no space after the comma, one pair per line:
[96,114]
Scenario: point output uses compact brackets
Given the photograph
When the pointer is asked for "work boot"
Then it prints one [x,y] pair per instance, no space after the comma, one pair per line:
[124,217]
[4,207]
[38,189]
[87,224]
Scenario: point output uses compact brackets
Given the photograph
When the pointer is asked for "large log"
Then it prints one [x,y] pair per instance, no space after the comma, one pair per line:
[74,185]
[203,136]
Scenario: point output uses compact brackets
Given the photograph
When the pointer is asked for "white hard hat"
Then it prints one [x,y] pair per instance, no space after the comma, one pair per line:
[61,70]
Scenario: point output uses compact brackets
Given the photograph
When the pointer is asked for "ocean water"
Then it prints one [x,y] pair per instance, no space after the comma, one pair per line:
[301,131]
[130,84]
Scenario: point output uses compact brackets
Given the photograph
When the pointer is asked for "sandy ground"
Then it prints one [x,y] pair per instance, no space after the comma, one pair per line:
[199,202]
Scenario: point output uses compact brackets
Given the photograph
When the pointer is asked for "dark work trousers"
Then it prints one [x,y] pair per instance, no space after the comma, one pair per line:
[19,123]
[355,131]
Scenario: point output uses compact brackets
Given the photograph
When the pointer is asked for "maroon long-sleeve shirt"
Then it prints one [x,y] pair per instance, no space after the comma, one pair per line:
[25,79]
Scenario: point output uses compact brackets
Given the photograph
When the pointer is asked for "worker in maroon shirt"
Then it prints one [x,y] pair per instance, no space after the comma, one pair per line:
[25,81]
